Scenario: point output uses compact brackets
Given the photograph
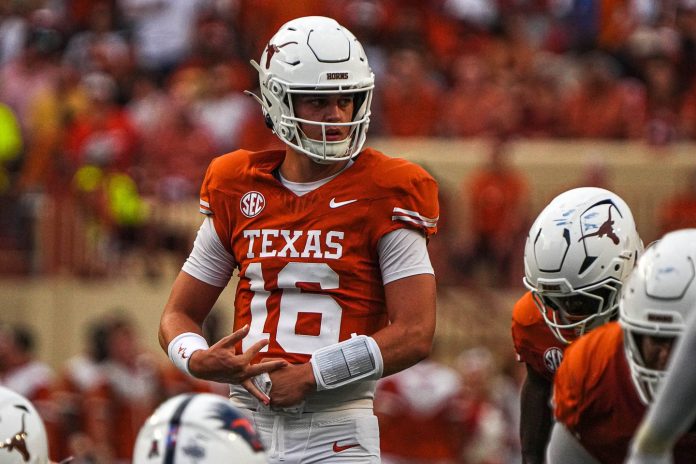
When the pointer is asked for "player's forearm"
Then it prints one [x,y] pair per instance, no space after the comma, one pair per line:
[189,303]
[535,418]
[402,347]
[409,337]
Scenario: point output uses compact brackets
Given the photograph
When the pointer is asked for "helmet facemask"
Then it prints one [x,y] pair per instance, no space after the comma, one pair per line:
[570,314]
[646,379]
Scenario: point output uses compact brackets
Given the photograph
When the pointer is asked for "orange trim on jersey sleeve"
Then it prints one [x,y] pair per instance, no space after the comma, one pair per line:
[406,194]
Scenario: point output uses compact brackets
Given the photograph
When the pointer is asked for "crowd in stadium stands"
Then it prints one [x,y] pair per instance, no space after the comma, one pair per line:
[112,106]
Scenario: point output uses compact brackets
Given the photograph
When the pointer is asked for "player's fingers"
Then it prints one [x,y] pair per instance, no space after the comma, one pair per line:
[254,349]
[269,366]
[232,339]
[255,392]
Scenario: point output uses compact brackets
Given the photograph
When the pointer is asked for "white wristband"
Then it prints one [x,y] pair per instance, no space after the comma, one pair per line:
[183,346]
[357,358]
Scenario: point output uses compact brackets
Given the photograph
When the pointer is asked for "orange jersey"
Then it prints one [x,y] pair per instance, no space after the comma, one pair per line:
[534,343]
[596,400]
[309,272]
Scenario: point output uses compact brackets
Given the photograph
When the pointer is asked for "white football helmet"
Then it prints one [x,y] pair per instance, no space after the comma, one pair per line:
[315,55]
[579,250]
[198,429]
[656,300]
[22,433]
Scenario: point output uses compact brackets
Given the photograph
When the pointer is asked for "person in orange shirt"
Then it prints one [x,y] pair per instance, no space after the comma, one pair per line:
[579,250]
[498,197]
[609,376]
[679,210]
[329,239]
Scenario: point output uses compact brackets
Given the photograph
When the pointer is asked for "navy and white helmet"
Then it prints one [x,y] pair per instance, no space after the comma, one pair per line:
[657,299]
[315,55]
[198,429]
[578,252]
[22,433]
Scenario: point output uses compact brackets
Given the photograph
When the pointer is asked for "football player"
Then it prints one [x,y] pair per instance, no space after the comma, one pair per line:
[203,428]
[22,433]
[673,410]
[329,240]
[578,252]
[609,376]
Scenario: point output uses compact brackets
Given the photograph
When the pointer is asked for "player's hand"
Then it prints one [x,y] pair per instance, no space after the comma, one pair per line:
[221,363]
[291,384]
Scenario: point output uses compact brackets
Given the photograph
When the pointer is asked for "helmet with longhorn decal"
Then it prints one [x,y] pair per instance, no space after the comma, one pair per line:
[578,253]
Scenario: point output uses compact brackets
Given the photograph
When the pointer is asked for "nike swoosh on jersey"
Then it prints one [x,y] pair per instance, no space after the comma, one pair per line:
[338,448]
[337,204]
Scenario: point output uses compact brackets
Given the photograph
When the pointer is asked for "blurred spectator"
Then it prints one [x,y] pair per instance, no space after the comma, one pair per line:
[498,201]
[162,31]
[485,403]
[33,71]
[79,375]
[100,47]
[664,98]
[477,104]
[21,372]
[222,108]
[129,389]
[679,210]
[418,415]
[602,104]
[11,145]
[103,135]
[13,30]
[410,83]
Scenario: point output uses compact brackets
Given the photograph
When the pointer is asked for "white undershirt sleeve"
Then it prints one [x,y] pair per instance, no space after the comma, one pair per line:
[209,261]
[564,448]
[403,253]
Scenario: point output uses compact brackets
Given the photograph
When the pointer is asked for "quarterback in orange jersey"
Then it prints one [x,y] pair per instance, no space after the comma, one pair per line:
[578,252]
[609,376]
[329,240]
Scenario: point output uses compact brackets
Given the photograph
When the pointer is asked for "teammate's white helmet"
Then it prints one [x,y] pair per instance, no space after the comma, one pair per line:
[315,55]
[656,300]
[198,429]
[22,433]
[579,250]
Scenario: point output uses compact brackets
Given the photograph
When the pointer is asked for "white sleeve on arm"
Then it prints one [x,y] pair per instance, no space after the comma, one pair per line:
[564,448]
[209,261]
[403,253]
[674,409]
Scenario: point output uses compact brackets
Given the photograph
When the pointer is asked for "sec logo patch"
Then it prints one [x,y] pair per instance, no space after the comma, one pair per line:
[252,204]
[552,358]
